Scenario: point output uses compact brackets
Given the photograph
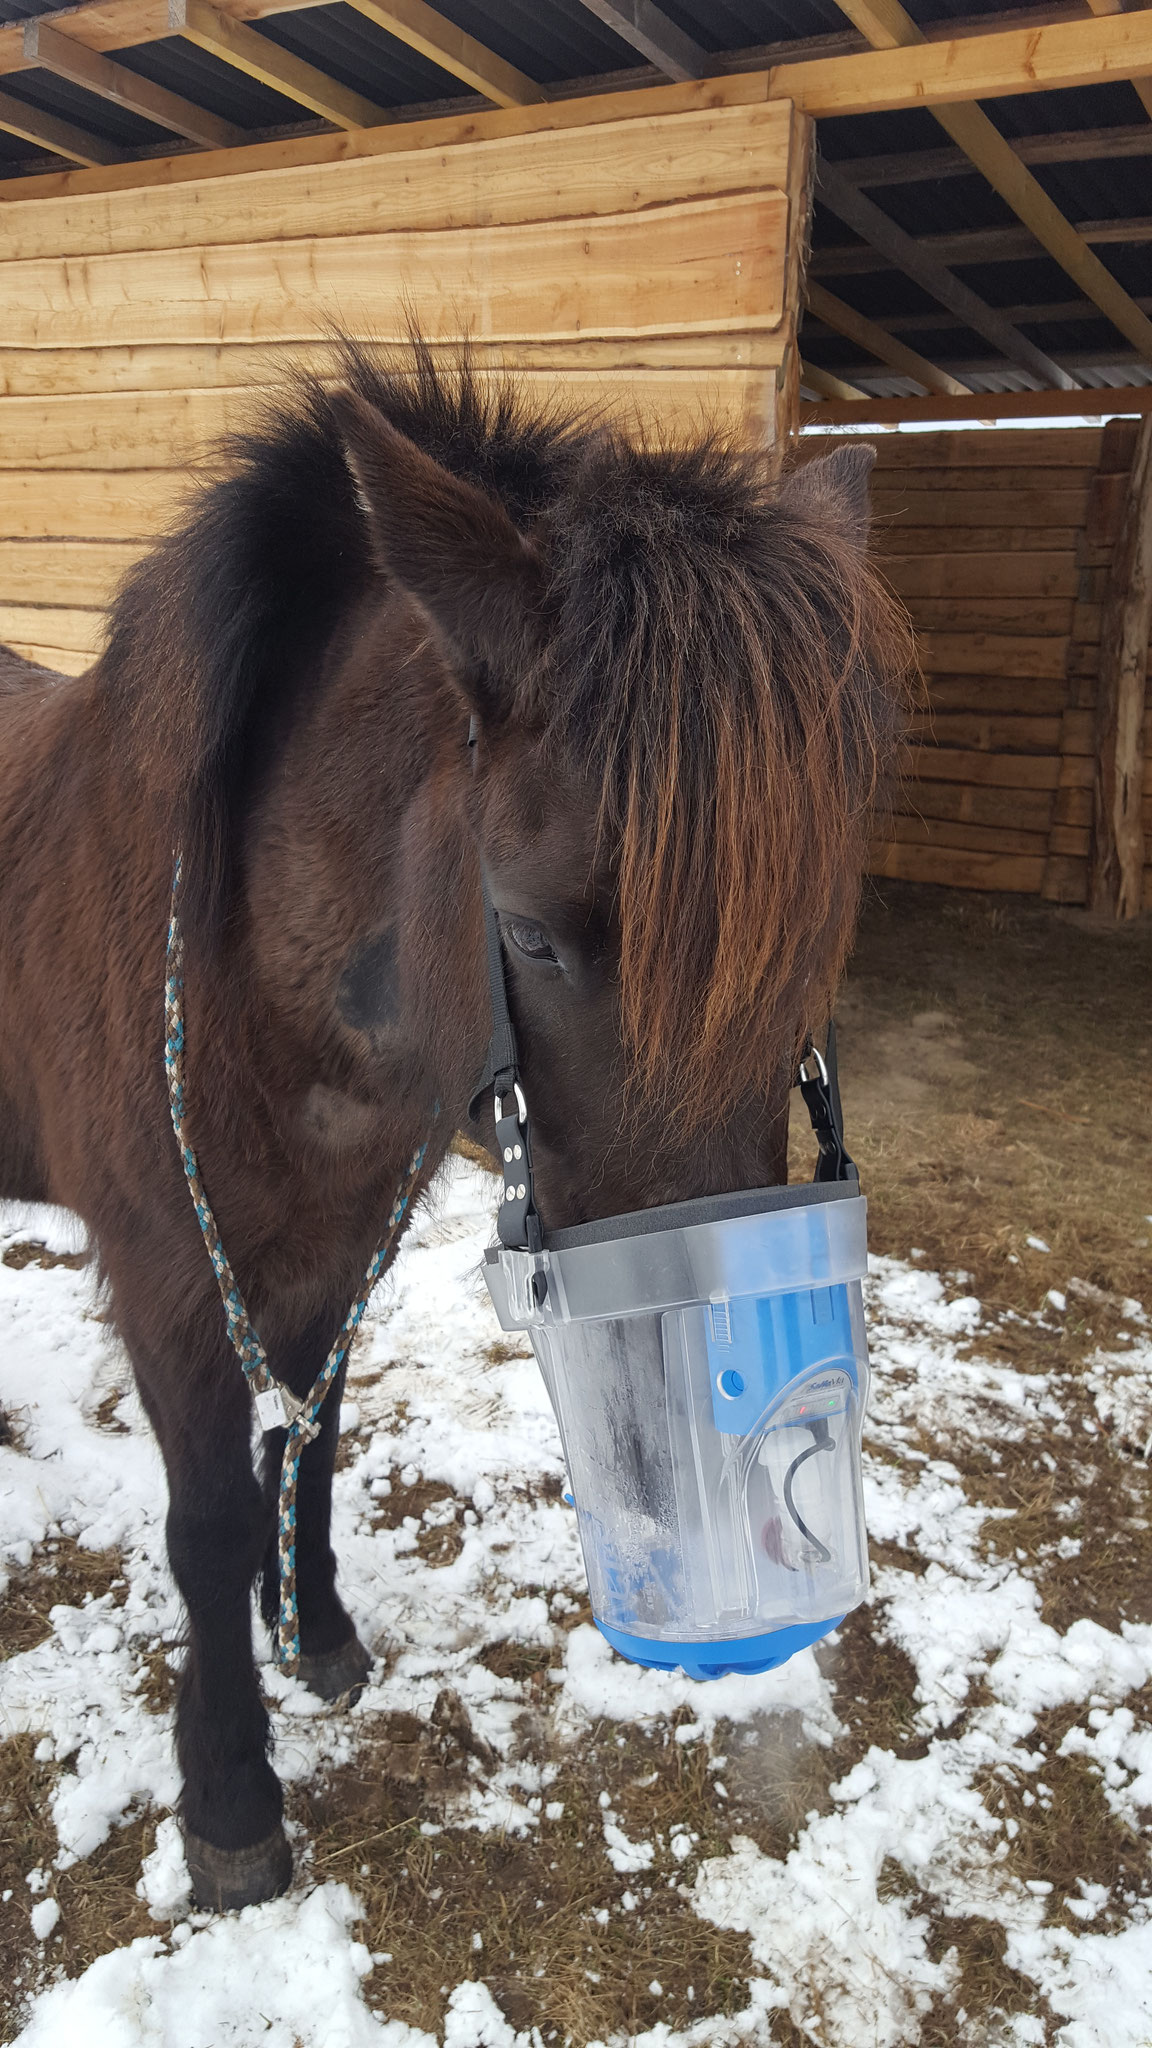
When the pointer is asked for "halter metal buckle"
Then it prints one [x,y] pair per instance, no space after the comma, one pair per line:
[814,1054]
[512,1146]
[521,1105]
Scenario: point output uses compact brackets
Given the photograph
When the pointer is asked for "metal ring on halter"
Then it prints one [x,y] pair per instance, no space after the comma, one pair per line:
[814,1053]
[521,1105]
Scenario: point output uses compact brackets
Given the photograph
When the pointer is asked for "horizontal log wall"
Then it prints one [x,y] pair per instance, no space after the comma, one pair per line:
[644,263]
[999,543]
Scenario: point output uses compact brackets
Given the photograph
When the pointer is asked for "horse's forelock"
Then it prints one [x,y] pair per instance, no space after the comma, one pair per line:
[736,670]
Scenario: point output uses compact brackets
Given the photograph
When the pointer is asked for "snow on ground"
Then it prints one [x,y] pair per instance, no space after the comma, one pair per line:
[434,1395]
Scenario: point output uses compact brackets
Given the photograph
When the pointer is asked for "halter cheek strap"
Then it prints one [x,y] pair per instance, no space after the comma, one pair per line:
[517,1220]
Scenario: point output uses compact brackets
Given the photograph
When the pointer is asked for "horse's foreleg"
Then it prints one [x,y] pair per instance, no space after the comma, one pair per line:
[22,1176]
[218,1522]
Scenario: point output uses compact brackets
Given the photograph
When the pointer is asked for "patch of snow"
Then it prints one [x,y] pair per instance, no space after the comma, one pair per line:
[58,1230]
[288,1973]
[438,1397]
[165,1885]
[1121,1383]
[44,1917]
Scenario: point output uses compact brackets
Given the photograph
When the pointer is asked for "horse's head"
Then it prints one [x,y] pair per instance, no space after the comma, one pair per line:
[683,681]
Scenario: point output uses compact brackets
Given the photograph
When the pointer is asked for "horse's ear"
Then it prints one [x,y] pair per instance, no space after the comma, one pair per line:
[451,545]
[834,490]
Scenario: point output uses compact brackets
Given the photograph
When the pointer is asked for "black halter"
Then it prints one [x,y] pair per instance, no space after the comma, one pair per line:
[517,1219]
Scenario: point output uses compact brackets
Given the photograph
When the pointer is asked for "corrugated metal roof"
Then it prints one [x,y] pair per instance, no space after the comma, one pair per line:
[208,82]
[549,40]
[346,46]
[742,24]
[101,117]
[19,10]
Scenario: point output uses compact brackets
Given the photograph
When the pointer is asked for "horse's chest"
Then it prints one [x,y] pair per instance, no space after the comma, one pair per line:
[332,1118]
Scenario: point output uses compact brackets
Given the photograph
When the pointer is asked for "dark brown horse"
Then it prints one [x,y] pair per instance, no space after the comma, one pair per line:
[684,679]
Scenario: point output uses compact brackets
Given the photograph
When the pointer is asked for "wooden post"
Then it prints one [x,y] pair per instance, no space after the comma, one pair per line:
[1117,860]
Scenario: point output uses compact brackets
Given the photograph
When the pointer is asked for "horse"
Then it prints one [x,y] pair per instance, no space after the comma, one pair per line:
[414,637]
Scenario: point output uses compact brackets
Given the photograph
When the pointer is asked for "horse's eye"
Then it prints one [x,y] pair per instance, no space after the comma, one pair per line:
[529,939]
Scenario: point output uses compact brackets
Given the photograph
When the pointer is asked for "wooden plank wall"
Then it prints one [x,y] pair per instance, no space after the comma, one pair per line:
[999,543]
[647,263]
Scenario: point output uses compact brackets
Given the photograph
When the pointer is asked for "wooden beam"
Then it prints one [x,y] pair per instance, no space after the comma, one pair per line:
[888,26]
[1116,864]
[47,131]
[978,67]
[846,320]
[44,45]
[439,39]
[982,405]
[648,29]
[1070,146]
[444,132]
[866,219]
[826,384]
[979,245]
[1143,86]
[1020,316]
[264,60]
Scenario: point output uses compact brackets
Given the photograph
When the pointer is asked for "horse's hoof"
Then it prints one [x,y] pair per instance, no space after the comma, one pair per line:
[338,1674]
[223,1880]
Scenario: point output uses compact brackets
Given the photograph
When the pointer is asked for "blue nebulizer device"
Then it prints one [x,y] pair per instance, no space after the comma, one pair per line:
[708,1370]
[707,1365]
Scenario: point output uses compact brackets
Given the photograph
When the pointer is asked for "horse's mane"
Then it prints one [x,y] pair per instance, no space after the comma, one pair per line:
[724,659]
[212,631]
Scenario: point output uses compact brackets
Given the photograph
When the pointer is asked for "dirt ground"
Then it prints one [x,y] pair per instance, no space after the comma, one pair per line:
[996,1072]
[996,1063]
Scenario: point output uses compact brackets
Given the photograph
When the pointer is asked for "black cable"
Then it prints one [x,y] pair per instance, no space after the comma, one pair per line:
[823,1442]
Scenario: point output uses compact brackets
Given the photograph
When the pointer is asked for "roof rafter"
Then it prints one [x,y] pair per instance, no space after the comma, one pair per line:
[904,253]
[438,39]
[981,405]
[1072,146]
[1020,316]
[1123,360]
[48,131]
[846,320]
[979,245]
[260,58]
[977,67]
[648,29]
[888,25]
[826,384]
[44,45]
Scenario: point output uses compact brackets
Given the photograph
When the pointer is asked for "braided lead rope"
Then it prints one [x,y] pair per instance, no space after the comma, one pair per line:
[306,1425]
[277,1407]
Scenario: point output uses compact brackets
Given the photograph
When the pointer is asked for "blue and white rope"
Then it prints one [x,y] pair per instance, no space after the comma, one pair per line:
[276,1405]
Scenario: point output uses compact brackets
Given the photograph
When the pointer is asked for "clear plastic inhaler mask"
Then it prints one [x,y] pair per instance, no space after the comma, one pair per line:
[708,1369]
